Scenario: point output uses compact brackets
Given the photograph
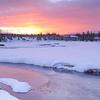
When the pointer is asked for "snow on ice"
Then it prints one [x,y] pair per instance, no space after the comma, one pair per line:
[82,55]
[16,85]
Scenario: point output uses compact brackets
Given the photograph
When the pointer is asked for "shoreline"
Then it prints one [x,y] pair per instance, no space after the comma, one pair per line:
[59,70]
[47,84]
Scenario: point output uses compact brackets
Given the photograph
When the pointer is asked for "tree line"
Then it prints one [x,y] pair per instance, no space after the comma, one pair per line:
[84,36]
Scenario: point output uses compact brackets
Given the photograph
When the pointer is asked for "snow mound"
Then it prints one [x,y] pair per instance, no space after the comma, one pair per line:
[6,96]
[16,85]
[63,65]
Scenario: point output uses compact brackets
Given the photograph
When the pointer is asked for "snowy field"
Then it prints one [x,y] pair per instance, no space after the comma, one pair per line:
[80,55]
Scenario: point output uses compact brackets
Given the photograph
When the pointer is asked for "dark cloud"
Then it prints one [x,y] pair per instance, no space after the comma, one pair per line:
[45,5]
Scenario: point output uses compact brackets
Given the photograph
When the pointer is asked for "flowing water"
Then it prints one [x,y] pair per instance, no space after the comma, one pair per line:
[50,85]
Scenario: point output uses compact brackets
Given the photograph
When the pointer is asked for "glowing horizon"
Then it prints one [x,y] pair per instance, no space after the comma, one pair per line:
[21,30]
[60,16]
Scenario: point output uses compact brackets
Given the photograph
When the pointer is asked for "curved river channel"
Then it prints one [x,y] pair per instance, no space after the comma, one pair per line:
[50,85]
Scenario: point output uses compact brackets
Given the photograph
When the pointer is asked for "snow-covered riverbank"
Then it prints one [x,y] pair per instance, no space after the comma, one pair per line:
[81,55]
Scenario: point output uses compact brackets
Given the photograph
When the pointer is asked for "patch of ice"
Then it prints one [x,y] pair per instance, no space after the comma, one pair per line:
[16,85]
[4,95]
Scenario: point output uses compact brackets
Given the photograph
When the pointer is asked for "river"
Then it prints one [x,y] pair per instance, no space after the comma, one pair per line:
[50,85]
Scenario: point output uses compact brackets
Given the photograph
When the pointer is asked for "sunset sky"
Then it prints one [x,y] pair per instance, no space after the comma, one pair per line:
[61,16]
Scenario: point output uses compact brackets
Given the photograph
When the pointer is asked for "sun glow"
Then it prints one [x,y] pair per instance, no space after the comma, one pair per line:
[21,30]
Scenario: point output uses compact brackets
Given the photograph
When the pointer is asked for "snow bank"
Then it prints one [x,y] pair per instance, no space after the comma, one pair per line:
[16,85]
[82,55]
[6,96]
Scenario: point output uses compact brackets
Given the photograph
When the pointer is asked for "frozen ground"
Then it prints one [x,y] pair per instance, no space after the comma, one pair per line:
[82,55]
[4,95]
